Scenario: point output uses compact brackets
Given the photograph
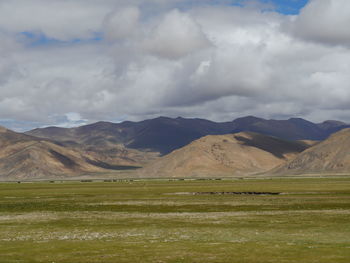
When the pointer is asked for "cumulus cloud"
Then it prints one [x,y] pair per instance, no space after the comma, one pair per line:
[324,21]
[175,36]
[123,23]
[63,20]
[172,58]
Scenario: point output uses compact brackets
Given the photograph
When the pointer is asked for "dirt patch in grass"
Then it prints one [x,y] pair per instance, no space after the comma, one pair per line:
[227,193]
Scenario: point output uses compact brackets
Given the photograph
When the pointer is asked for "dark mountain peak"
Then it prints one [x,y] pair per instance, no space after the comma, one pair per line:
[98,124]
[96,127]
[305,125]
[331,123]
[164,134]
[291,129]
[296,119]
[162,118]
[158,120]
[334,122]
[194,121]
[332,126]
[50,128]
[248,120]
[300,121]
[102,123]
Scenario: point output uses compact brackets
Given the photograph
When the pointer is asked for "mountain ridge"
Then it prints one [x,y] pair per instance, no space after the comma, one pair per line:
[103,146]
[25,157]
[165,134]
[240,154]
[329,156]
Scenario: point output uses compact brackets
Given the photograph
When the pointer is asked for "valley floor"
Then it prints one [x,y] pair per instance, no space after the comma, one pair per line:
[163,221]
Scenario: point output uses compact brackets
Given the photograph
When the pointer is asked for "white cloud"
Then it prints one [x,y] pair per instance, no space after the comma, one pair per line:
[325,21]
[217,62]
[175,36]
[123,23]
[59,19]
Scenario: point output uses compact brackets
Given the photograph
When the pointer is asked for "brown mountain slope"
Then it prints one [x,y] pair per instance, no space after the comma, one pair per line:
[26,157]
[118,155]
[103,140]
[164,135]
[238,154]
[329,156]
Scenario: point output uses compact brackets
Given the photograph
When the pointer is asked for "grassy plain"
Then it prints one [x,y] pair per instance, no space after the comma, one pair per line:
[149,221]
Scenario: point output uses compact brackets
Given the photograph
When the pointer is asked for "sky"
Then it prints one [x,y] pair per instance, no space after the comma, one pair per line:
[72,62]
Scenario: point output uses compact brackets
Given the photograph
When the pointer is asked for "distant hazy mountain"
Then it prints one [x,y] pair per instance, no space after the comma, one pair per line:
[238,154]
[158,135]
[166,134]
[329,156]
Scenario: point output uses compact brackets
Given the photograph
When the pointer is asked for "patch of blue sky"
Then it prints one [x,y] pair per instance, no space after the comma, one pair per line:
[19,126]
[34,39]
[286,7]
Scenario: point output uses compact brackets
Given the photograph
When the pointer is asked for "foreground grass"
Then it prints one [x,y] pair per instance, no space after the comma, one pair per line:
[148,221]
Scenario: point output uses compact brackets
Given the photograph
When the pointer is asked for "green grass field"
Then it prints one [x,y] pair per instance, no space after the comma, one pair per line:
[151,221]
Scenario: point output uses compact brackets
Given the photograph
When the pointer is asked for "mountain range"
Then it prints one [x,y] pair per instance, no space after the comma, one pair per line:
[27,157]
[330,156]
[177,147]
[164,134]
[238,154]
